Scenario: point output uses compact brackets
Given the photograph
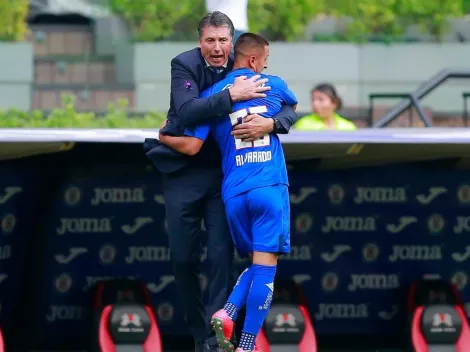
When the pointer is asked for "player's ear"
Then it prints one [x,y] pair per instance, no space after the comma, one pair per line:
[252,61]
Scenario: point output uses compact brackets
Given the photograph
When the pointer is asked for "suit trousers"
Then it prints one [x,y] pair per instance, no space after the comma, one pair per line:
[191,195]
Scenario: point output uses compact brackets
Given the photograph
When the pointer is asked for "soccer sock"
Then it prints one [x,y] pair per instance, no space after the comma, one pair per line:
[237,298]
[258,303]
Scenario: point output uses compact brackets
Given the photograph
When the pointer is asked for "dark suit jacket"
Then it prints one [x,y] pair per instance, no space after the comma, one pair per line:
[190,75]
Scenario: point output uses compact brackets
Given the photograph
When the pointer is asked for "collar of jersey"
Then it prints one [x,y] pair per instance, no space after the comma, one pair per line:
[240,72]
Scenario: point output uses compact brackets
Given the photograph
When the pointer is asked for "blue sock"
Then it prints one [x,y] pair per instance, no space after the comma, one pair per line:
[237,298]
[258,303]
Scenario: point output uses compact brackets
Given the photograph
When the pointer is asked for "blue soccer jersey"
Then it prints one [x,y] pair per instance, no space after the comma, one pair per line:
[248,165]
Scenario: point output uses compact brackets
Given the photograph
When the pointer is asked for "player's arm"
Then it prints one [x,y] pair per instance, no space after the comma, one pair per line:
[193,110]
[287,117]
[189,144]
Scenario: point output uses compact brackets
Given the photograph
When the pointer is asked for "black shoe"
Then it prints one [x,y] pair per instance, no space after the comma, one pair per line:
[202,347]
[213,346]
[207,346]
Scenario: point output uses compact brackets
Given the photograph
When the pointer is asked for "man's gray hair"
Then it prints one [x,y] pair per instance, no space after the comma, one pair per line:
[216,19]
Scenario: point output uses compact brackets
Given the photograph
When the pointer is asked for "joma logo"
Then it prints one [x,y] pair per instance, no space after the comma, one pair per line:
[84,225]
[117,196]
[373,282]
[415,253]
[380,195]
[341,311]
[349,224]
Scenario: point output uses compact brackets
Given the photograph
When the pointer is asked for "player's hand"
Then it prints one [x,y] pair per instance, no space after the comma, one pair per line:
[246,89]
[253,127]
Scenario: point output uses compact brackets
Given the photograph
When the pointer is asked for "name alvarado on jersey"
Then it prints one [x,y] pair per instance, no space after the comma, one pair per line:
[253,157]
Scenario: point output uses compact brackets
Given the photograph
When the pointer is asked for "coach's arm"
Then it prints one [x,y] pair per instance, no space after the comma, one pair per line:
[193,110]
[190,109]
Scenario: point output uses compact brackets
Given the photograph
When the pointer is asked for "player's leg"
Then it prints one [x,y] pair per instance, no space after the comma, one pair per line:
[269,208]
[240,229]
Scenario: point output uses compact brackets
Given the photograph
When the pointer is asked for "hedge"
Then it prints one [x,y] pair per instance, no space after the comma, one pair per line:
[67,117]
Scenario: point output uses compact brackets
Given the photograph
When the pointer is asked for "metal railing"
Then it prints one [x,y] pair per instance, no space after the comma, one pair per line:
[465,97]
[418,108]
[413,98]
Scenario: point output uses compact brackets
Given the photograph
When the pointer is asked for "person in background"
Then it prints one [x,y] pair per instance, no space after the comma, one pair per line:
[325,104]
[235,9]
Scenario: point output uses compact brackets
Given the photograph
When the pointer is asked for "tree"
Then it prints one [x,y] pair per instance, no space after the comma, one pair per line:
[391,18]
[282,19]
[150,20]
[14,27]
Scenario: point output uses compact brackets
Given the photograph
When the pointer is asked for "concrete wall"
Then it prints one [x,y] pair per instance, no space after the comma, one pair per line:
[356,70]
[16,75]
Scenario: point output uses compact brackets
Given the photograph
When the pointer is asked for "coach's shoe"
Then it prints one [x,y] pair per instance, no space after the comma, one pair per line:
[223,328]
[203,347]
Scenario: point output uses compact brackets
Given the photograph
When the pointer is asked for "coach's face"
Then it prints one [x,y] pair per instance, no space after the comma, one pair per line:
[216,44]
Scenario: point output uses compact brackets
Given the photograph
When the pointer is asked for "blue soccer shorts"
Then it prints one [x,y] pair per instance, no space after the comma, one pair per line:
[259,220]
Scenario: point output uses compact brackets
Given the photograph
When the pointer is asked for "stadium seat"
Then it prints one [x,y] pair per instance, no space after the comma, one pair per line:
[125,317]
[2,344]
[438,322]
[288,326]
[129,328]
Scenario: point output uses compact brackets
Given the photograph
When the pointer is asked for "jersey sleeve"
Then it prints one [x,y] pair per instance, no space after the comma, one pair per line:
[286,94]
[201,132]
[206,93]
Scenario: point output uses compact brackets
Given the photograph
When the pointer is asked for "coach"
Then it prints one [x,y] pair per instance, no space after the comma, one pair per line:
[192,185]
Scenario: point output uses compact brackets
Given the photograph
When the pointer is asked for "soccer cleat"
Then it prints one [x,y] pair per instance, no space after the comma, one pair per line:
[223,328]
[256,349]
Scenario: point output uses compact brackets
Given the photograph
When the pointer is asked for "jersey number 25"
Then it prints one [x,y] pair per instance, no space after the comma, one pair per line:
[237,117]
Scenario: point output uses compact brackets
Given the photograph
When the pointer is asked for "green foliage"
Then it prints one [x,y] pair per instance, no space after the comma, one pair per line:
[150,20]
[186,28]
[13,26]
[466,6]
[68,117]
[391,18]
[432,16]
[282,19]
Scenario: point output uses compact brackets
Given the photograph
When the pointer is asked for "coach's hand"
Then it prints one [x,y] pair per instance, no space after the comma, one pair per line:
[246,89]
[253,127]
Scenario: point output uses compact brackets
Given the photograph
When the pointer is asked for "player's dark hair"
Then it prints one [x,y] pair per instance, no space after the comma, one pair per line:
[215,19]
[249,41]
[330,91]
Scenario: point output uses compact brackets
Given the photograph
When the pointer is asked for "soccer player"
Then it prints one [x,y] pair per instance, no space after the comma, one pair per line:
[254,190]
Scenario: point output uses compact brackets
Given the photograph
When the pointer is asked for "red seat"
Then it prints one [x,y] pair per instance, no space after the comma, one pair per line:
[288,326]
[131,327]
[2,344]
[438,322]
[451,330]
[124,301]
